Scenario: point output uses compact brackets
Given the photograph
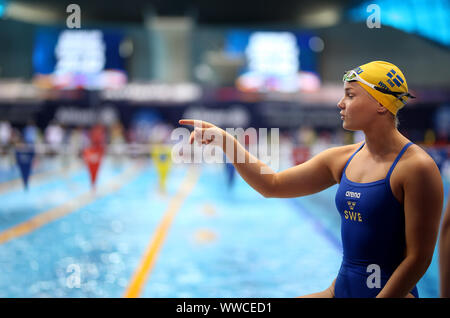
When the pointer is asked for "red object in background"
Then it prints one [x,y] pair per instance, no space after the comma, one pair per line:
[300,155]
[92,156]
[98,136]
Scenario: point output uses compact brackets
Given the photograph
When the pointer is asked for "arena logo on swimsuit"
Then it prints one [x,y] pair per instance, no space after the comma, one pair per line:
[353,194]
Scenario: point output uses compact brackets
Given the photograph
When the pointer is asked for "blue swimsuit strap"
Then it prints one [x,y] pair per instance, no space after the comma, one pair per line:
[397,159]
[350,159]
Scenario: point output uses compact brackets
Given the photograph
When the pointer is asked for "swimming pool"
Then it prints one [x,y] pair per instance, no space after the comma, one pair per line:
[200,239]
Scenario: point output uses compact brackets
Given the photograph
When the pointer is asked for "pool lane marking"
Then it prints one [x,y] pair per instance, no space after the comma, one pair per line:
[318,225]
[36,178]
[70,206]
[142,273]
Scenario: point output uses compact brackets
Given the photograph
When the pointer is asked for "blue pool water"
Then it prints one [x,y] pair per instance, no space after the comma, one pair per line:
[221,243]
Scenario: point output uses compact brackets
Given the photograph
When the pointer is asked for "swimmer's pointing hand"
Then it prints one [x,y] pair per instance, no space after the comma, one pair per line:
[205,133]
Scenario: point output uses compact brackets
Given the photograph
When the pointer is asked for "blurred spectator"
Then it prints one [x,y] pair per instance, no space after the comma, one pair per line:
[141,131]
[31,133]
[54,135]
[322,142]
[306,136]
[160,133]
[117,133]
[16,137]
[5,134]
[118,141]
[75,141]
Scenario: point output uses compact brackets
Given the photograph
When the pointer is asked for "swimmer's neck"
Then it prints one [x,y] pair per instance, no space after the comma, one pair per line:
[382,141]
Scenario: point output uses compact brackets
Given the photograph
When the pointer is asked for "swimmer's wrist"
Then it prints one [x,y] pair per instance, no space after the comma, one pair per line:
[228,141]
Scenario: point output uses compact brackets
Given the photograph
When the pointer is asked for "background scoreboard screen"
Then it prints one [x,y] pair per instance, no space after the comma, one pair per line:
[79,58]
[281,61]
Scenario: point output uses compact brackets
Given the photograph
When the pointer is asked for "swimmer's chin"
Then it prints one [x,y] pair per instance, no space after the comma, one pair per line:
[348,127]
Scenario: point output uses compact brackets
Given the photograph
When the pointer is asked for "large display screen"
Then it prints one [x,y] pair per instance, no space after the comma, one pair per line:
[278,61]
[70,59]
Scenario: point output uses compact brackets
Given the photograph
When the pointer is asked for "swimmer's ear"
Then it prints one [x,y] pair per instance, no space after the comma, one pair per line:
[381,109]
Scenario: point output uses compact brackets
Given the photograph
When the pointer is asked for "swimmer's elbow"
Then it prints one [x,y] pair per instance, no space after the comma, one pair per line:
[269,195]
[269,190]
[421,262]
[266,195]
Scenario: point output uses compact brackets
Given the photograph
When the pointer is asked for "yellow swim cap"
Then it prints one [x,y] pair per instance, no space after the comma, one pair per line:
[387,76]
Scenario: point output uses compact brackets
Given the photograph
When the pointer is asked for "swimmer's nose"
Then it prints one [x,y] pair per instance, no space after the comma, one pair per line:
[340,104]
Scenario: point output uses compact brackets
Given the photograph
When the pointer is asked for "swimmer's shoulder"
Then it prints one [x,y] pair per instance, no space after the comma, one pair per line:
[418,178]
[416,163]
[336,157]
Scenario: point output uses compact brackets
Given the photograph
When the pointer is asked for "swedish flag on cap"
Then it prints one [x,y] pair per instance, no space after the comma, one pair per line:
[384,81]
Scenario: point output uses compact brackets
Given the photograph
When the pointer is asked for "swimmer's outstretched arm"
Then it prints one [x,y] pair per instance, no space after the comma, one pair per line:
[423,195]
[310,177]
[444,254]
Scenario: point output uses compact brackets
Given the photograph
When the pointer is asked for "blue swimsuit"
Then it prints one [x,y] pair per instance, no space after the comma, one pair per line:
[373,232]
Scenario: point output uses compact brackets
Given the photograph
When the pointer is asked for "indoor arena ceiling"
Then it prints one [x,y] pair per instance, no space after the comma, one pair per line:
[203,11]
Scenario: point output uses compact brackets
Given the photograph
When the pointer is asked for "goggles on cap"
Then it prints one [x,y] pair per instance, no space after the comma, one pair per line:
[351,76]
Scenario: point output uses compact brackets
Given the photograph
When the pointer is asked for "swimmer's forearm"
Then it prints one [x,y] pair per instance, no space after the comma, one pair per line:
[444,256]
[249,167]
[405,277]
